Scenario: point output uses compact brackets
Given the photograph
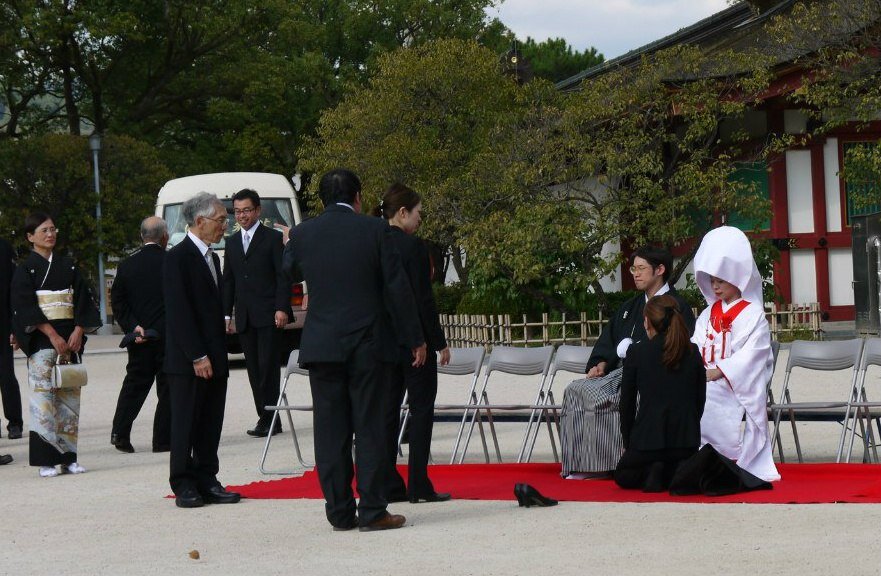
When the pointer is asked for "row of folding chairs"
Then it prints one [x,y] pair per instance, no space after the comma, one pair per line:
[477,411]
[851,407]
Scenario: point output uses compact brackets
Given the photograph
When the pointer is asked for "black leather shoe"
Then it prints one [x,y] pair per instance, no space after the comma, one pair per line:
[188,498]
[219,495]
[436,497]
[346,526]
[122,444]
[14,432]
[262,430]
[5,459]
[387,522]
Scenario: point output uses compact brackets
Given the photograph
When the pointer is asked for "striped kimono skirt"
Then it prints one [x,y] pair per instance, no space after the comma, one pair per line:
[590,426]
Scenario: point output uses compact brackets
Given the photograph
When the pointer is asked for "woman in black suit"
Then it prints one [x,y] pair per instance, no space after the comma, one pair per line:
[667,373]
[402,208]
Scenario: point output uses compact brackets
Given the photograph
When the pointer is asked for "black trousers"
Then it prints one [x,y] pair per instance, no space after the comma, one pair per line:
[636,466]
[421,386]
[348,399]
[144,366]
[9,387]
[261,349]
[197,407]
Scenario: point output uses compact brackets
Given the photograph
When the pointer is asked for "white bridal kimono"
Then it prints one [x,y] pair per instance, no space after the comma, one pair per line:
[735,338]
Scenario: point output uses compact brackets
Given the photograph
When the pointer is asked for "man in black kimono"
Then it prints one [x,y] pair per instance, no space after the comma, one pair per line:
[651,269]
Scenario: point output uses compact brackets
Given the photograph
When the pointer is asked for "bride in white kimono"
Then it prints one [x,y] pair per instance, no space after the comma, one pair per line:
[735,342]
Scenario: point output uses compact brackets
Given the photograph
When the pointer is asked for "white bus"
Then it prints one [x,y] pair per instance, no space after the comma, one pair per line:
[279,206]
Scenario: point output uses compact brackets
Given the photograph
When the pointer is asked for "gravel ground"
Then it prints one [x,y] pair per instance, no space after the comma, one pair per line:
[115,519]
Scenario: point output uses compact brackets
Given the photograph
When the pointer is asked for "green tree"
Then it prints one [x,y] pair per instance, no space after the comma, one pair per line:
[555,60]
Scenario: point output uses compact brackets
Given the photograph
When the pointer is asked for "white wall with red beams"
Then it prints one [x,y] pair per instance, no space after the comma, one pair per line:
[809,206]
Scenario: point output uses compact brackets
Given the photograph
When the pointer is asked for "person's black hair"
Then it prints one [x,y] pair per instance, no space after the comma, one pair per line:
[396,197]
[33,221]
[656,257]
[247,194]
[339,185]
[664,315]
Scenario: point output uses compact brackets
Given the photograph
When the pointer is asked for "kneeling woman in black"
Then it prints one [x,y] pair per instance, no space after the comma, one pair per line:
[667,374]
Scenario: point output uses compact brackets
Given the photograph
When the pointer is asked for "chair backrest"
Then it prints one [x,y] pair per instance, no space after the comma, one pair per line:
[294,365]
[871,353]
[463,361]
[571,359]
[825,354]
[521,361]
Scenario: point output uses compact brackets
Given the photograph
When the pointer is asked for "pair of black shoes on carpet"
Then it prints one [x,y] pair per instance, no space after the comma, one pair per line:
[262,430]
[528,496]
[192,498]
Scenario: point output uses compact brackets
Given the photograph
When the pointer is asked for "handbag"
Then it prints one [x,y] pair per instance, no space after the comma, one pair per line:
[67,374]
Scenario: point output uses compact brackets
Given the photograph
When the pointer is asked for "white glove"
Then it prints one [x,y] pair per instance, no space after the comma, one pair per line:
[623,346]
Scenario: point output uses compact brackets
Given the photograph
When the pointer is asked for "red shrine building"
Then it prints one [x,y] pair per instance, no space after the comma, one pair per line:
[811,220]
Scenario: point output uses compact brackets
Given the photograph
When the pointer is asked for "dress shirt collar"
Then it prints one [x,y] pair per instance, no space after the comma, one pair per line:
[349,206]
[203,248]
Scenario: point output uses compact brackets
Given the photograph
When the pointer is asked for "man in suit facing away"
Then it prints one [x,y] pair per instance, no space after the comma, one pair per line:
[356,282]
[195,355]
[253,282]
[138,306]
[8,382]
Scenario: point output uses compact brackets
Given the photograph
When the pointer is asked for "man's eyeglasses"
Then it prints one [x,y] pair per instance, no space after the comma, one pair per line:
[639,269]
[222,220]
[245,211]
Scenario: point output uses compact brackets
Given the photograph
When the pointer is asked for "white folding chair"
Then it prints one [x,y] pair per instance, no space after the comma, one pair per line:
[775,351]
[282,405]
[566,359]
[825,356]
[517,361]
[862,406]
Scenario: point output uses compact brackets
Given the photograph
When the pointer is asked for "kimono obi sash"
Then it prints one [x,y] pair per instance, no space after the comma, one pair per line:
[56,304]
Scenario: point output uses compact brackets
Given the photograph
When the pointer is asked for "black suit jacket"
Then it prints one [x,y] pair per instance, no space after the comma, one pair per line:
[355,279]
[254,282]
[136,295]
[627,323]
[193,312]
[7,269]
[671,402]
[417,264]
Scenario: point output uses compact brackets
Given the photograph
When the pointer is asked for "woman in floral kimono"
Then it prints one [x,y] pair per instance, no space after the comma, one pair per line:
[52,309]
[735,342]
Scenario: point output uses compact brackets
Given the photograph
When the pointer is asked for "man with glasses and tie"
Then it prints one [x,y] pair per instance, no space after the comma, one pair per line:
[256,291]
[195,355]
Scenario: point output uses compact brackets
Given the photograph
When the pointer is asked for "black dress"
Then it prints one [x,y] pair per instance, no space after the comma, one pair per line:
[660,411]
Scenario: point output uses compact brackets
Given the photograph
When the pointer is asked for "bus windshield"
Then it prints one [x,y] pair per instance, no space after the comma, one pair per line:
[272,211]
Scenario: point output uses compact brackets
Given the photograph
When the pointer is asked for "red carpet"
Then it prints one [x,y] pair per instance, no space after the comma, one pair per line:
[801,484]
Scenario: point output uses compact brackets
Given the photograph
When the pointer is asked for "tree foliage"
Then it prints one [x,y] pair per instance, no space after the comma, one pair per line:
[54,173]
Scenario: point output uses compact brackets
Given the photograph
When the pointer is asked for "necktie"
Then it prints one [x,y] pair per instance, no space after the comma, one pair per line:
[209,255]
[246,241]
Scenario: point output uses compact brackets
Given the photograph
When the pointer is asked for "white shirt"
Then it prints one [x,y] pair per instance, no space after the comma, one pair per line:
[662,290]
[349,206]
[203,248]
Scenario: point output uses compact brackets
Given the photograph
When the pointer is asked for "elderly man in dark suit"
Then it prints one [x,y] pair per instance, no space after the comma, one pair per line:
[195,355]
[355,278]
[8,382]
[138,307]
[253,282]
